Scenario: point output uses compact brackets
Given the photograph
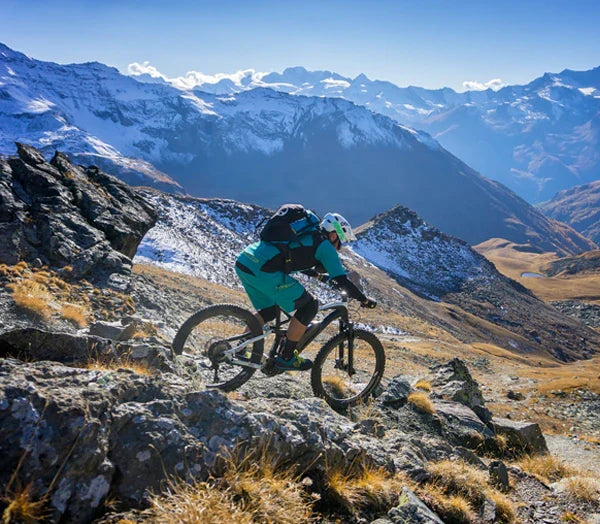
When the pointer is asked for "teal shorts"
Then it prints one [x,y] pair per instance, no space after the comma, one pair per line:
[267,289]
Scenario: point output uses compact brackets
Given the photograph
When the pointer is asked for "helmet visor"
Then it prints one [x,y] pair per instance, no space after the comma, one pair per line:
[340,232]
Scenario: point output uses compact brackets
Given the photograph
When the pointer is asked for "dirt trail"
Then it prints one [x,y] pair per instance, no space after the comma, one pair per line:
[575,452]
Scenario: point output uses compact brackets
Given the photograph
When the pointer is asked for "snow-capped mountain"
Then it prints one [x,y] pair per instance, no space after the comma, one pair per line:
[261,146]
[537,138]
[418,254]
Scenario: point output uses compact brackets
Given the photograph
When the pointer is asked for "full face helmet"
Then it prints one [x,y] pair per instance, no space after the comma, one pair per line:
[334,222]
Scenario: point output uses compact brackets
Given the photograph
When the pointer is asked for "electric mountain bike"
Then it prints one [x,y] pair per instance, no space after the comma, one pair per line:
[227,343]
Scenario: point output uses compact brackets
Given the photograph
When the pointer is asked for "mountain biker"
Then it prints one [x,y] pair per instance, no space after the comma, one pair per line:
[264,273]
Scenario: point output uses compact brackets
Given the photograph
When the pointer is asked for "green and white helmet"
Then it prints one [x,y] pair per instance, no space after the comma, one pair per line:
[338,224]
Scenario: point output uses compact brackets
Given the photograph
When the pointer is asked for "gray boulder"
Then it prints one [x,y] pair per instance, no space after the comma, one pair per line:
[35,344]
[396,392]
[411,509]
[453,381]
[522,437]
[461,425]
[60,214]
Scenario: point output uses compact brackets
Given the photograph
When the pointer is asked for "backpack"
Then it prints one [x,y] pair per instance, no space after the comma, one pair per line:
[288,224]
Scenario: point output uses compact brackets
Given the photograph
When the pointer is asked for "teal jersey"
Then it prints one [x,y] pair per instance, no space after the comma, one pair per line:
[327,255]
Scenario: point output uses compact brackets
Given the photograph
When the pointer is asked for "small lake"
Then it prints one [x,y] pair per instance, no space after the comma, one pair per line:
[535,275]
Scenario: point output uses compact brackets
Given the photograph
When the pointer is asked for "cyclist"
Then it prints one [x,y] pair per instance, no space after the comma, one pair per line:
[261,265]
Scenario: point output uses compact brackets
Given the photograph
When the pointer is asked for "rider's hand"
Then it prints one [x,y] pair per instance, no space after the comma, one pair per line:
[369,303]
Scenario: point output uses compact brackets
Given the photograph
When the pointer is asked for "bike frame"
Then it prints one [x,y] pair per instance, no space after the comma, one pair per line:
[339,310]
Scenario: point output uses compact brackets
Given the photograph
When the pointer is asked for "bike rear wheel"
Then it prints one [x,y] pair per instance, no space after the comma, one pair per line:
[209,333]
[342,383]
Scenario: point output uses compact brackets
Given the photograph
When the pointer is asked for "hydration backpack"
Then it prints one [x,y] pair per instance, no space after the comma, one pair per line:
[288,224]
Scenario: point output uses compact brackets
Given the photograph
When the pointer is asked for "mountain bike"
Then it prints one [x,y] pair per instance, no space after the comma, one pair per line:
[227,343]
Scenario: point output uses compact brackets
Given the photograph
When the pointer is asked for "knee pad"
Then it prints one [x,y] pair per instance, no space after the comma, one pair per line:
[307,310]
[268,313]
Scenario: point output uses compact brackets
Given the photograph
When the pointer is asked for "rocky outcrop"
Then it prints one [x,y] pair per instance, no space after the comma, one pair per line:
[82,436]
[454,382]
[59,214]
[33,344]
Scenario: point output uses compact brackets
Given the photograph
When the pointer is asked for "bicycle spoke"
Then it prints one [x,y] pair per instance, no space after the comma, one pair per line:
[211,337]
[343,376]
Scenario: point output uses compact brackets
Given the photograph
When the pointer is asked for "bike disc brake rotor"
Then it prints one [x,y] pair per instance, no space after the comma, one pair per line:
[215,350]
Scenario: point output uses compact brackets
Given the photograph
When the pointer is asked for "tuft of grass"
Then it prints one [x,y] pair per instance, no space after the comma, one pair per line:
[568,516]
[459,478]
[33,297]
[365,410]
[76,314]
[336,386]
[451,508]
[199,504]
[585,489]
[422,402]
[252,488]
[502,443]
[505,509]
[456,488]
[546,468]
[424,385]
[21,508]
[355,488]
[100,364]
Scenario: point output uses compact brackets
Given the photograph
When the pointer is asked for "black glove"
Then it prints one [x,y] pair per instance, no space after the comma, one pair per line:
[369,303]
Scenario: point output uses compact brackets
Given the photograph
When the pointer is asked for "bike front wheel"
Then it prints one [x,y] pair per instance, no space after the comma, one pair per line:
[348,368]
[208,337]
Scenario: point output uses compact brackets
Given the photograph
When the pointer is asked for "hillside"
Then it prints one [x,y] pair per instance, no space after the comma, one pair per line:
[579,207]
[260,146]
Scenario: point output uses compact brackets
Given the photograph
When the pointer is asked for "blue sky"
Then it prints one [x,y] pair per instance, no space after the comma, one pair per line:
[428,43]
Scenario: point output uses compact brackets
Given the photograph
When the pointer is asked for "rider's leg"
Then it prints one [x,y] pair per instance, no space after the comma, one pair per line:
[266,314]
[304,314]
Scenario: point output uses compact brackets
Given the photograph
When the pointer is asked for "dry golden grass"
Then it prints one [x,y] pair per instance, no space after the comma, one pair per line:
[355,488]
[336,386]
[546,468]
[505,509]
[78,315]
[502,443]
[513,262]
[591,439]
[422,402]
[459,478]
[451,508]
[33,297]
[424,385]
[457,488]
[252,489]
[21,508]
[582,488]
[114,365]
[568,516]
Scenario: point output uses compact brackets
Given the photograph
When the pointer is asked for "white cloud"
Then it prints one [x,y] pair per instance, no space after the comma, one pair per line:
[144,68]
[195,78]
[494,84]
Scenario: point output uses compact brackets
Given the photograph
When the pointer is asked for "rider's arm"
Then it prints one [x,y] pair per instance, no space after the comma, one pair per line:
[350,287]
[328,256]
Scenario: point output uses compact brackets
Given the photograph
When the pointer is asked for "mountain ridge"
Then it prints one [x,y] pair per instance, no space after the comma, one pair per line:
[263,146]
[523,125]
